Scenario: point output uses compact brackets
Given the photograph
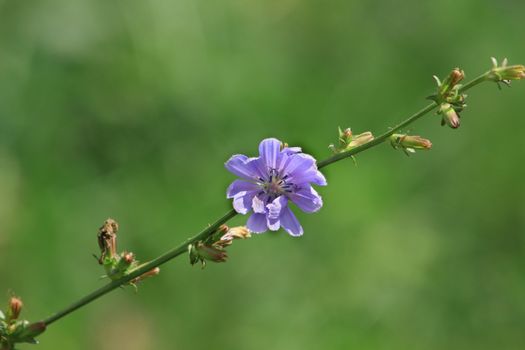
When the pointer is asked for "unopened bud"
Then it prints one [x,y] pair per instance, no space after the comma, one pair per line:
[449,116]
[505,73]
[121,266]
[456,76]
[347,140]
[410,141]
[345,136]
[211,253]
[14,309]
[193,254]
[448,91]
[200,252]
[361,139]
[26,333]
[128,257]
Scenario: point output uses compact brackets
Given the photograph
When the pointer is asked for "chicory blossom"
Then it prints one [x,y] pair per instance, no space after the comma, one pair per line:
[268,184]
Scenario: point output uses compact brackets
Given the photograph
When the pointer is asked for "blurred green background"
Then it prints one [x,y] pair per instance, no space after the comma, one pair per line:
[128,109]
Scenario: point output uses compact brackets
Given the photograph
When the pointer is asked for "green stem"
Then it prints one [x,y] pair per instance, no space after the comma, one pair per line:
[182,248]
[383,137]
[377,140]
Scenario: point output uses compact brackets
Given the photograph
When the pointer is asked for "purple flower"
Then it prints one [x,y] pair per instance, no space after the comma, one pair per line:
[270,181]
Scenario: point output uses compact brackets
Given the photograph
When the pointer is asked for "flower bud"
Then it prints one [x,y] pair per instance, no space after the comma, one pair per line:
[449,115]
[456,76]
[361,139]
[14,309]
[200,252]
[345,136]
[211,253]
[128,258]
[505,73]
[121,266]
[26,332]
[409,143]
[450,83]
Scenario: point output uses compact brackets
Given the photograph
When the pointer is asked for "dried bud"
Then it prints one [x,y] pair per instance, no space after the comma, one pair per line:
[449,116]
[361,139]
[153,272]
[110,226]
[238,232]
[14,309]
[107,240]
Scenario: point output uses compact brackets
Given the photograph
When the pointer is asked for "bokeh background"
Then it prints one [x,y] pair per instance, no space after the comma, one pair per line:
[128,109]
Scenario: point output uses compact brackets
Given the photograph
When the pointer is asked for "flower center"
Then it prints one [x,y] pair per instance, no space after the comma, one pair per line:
[276,184]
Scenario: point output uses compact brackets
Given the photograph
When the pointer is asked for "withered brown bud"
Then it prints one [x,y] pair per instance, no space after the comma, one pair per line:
[107,240]
[110,226]
[153,272]
[238,232]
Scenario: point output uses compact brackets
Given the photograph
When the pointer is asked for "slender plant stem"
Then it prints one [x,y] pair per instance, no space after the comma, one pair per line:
[183,247]
[180,249]
[383,137]
[377,140]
